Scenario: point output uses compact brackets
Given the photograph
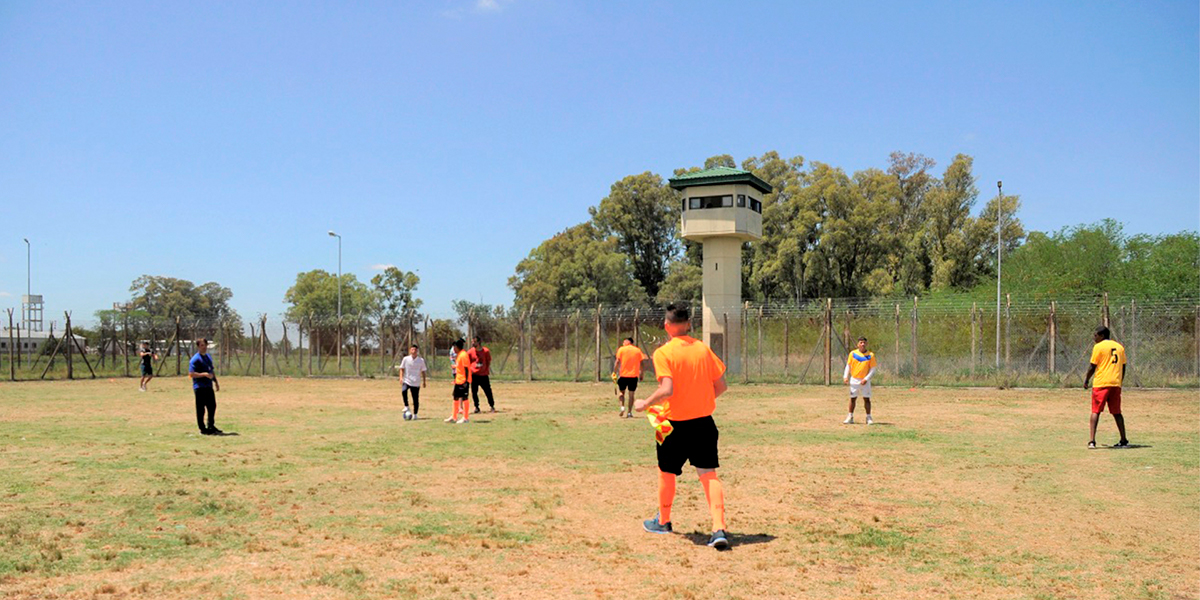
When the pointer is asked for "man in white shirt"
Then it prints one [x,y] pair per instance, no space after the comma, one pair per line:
[412,379]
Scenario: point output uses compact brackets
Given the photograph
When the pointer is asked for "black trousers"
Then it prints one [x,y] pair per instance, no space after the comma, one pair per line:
[416,394]
[482,381]
[205,400]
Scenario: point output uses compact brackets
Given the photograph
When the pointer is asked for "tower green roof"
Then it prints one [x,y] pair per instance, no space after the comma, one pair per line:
[719,175]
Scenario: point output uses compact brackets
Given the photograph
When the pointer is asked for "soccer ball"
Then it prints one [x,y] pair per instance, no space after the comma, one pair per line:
[407,415]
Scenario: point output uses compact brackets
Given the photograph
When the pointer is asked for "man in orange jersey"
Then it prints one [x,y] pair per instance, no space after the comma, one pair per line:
[462,378]
[1108,365]
[628,369]
[690,378]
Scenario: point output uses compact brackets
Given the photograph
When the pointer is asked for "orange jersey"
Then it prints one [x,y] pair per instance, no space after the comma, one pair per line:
[462,369]
[693,369]
[631,358]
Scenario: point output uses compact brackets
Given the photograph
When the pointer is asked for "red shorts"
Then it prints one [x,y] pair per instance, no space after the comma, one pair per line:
[1106,395]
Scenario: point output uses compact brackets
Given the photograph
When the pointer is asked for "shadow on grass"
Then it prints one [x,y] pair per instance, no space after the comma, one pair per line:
[735,539]
[1129,447]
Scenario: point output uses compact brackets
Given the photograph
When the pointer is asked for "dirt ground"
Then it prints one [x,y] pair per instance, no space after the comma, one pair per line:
[327,493]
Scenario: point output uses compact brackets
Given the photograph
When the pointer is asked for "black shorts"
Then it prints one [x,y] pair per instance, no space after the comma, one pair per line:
[460,391]
[147,369]
[694,441]
[627,383]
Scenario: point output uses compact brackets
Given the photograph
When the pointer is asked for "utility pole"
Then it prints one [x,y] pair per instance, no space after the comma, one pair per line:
[999,268]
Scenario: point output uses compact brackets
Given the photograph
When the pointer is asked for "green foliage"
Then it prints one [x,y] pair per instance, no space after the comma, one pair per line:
[642,213]
[1099,258]
[485,319]
[164,297]
[578,267]
[684,283]
[316,292]
[393,290]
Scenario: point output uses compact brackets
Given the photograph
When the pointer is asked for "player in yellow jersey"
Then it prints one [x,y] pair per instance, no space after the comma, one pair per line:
[860,368]
[1108,366]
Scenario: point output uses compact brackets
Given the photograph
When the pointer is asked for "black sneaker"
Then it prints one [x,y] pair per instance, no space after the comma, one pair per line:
[215,431]
[1122,444]
[1091,445]
[653,526]
[205,432]
[476,410]
[719,540]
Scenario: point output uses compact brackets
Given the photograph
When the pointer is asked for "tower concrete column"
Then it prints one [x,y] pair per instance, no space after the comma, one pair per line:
[722,283]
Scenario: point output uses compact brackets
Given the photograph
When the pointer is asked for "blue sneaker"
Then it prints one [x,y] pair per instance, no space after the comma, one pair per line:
[718,540]
[653,526]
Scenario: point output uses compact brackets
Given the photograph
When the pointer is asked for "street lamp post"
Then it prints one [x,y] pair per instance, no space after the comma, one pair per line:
[339,238]
[999,267]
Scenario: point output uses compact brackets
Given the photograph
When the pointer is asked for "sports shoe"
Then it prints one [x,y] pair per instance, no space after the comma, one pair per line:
[1122,444]
[653,526]
[449,420]
[621,415]
[476,410]
[870,421]
[461,421]
[1091,445]
[215,431]
[491,409]
[718,540]
[849,420]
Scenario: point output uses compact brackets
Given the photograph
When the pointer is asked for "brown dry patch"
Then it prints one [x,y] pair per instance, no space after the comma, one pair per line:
[957,493]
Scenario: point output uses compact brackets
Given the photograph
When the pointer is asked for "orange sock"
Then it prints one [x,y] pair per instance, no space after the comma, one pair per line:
[715,492]
[666,496]
[454,415]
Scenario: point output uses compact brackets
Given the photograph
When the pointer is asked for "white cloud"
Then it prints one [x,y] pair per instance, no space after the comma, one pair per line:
[5,295]
[381,267]
[487,5]
[477,7]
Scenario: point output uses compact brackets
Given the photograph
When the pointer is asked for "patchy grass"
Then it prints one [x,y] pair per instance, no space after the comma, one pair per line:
[327,493]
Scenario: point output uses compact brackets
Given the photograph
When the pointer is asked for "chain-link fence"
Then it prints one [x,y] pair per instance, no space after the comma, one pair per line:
[946,340]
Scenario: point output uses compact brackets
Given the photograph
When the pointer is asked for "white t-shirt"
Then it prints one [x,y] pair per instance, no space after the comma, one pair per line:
[412,368]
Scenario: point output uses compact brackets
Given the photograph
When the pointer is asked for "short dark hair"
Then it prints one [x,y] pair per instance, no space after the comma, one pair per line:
[1103,332]
[862,339]
[477,339]
[201,339]
[415,346]
[677,314]
[629,339]
[458,344]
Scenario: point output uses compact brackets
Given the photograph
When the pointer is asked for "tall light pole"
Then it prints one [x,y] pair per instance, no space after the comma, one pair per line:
[28,287]
[999,268]
[332,234]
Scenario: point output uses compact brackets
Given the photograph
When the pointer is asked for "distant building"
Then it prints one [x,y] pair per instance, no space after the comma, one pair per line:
[31,342]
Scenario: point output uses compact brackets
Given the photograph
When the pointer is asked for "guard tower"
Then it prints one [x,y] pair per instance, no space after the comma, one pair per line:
[722,208]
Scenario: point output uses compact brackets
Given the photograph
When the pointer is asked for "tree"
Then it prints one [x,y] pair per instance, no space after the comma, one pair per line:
[484,319]
[166,297]
[684,283]
[642,213]
[789,221]
[577,267]
[393,290]
[316,292]
[949,226]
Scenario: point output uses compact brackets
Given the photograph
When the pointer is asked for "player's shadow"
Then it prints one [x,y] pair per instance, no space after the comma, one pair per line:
[735,539]
[225,434]
[1129,447]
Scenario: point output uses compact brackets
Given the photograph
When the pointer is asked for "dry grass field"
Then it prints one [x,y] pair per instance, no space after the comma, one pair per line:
[326,493]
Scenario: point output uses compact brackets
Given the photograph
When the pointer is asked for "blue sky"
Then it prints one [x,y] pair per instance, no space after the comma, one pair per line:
[220,141]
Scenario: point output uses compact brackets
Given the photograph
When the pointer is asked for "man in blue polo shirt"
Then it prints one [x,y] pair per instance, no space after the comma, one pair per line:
[205,386]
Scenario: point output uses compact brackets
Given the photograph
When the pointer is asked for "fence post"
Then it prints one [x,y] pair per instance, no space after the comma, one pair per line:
[125,343]
[974,335]
[12,366]
[566,345]
[897,359]
[358,344]
[578,356]
[846,332]
[339,344]
[314,349]
[1053,335]
[383,338]
[598,341]
[262,347]
[1007,329]
[1104,311]
[178,344]
[760,343]
[787,332]
[300,347]
[1196,373]
[827,334]
[913,337]
[529,340]
[744,339]
[67,333]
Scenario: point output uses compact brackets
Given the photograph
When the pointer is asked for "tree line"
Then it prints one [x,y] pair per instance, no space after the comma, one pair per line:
[899,230]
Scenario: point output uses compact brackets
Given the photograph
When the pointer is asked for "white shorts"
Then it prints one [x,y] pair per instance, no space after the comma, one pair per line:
[860,388]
